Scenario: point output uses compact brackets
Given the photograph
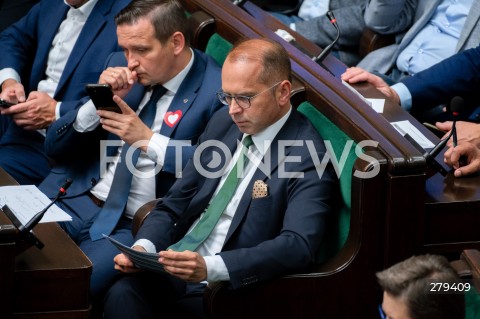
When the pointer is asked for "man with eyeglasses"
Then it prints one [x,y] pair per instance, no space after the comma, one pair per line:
[248,224]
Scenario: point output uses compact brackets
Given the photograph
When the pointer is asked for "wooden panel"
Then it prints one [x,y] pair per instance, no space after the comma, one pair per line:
[53,282]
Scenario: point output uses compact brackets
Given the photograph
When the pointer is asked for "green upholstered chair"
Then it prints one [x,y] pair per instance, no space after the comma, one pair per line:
[339,223]
[218,48]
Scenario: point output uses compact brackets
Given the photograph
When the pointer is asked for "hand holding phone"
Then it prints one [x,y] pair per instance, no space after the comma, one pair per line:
[4,103]
[102,97]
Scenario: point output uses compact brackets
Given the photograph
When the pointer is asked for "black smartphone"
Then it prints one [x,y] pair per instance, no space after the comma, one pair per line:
[4,103]
[102,97]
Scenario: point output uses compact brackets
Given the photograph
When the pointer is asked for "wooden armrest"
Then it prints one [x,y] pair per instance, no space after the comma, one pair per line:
[472,258]
[468,266]
[371,41]
[141,214]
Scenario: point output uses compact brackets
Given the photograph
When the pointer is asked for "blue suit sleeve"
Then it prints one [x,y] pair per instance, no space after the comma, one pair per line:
[458,75]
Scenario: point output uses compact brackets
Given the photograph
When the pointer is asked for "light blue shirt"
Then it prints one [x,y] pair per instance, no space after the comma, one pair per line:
[404,95]
[438,39]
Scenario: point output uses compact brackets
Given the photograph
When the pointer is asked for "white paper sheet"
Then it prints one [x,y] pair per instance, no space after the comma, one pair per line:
[27,200]
[406,127]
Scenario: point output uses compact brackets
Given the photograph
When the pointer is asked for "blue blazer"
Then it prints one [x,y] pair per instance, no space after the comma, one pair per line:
[25,47]
[457,75]
[269,236]
[78,154]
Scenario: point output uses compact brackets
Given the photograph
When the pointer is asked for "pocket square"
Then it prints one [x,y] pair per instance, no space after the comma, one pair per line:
[260,189]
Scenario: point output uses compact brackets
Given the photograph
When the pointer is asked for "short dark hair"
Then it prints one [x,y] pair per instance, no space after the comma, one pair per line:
[271,54]
[410,280]
[167,17]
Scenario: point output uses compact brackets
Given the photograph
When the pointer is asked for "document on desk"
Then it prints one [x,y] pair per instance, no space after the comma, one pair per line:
[406,127]
[27,200]
[143,260]
[377,104]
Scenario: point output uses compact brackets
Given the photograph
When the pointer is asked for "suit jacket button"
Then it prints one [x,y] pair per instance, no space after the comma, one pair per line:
[93,181]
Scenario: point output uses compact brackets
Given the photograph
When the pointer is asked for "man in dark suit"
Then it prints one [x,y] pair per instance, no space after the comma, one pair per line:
[273,220]
[37,67]
[153,36]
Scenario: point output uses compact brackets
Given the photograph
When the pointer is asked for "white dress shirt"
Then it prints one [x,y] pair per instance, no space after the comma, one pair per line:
[62,47]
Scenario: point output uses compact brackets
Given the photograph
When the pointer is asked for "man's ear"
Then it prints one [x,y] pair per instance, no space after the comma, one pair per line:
[285,89]
[178,41]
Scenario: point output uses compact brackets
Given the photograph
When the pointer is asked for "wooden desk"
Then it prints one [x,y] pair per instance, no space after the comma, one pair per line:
[53,282]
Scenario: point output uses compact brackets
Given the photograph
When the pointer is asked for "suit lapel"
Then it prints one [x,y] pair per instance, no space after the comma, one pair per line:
[470,23]
[288,132]
[428,11]
[183,99]
[93,26]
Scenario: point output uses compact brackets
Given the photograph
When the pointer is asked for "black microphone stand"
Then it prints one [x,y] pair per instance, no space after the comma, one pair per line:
[319,58]
[26,231]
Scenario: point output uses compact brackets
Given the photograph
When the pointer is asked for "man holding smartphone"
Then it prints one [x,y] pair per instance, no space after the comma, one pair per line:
[161,64]
[47,57]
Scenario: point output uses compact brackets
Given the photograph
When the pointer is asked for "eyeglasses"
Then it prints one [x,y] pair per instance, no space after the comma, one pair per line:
[242,100]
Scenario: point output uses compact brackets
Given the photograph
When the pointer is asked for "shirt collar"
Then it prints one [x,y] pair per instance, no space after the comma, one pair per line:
[85,9]
[263,139]
[174,83]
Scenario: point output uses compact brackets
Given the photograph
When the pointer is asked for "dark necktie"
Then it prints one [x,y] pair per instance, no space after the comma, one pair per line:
[204,227]
[117,197]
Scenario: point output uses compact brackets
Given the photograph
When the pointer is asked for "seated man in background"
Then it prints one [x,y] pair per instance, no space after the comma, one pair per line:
[46,59]
[458,75]
[171,89]
[427,32]
[264,219]
[314,25]
[407,295]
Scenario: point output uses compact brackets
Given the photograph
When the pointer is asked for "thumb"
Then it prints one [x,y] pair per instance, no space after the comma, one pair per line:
[122,105]
[444,126]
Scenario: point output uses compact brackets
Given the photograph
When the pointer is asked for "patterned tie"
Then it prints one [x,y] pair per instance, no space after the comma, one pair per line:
[117,198]
[204,227]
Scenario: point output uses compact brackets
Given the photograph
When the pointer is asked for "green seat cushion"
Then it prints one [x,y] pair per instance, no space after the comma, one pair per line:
[338,224]
[218,48]
[472,304]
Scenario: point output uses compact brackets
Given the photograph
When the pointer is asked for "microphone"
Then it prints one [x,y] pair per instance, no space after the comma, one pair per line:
[239,3]
[456,105]
[38,216]
[327,50]
[430,156]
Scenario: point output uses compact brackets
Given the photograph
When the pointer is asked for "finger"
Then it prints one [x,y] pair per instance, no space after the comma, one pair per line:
[20,95]
[123,106]
[15,109]
[466,170]
[177,255]
[444,126]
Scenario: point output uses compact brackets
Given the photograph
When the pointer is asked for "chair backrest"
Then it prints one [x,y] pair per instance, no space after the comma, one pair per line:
[339,223]
[218,48]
